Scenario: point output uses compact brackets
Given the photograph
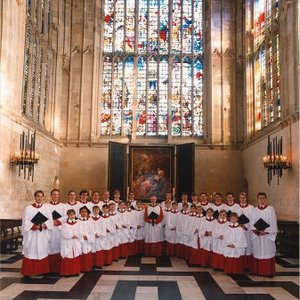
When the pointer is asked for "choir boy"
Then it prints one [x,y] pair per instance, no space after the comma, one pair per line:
[83,200]
[111,241]
[88,239]
[180,229]
[140,227]
[124,230]
[204,202]
[95,201]
[219,230]
[70,245]
[100,237]
[194,198]
[105,199]
[231,206]
[153,217]
[184,200]
[132,227]
[37,224]
[264,231]
[170,230]
[57,210]
[205,235]
[245,220]
[117,196]
[114,232]
[167,201]
[132,200]
[72,203]
[235,246]
[218,204]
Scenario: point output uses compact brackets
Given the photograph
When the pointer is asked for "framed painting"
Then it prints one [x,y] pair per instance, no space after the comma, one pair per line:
[151,171]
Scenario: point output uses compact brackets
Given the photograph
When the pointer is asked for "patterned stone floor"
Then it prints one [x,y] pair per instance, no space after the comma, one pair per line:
[148,278]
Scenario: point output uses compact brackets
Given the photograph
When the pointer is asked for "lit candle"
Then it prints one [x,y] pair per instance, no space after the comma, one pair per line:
[173,192]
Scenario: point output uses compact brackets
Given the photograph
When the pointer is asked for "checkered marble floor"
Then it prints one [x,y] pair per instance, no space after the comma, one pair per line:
[148,278]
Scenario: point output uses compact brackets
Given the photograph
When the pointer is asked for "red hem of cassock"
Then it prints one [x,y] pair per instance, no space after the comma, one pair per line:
[115,252]
[217,261]
[123,250]
[234,265]
[153,249]
[54,263]
[181,250]
[248,262]
[195,257]
[108,257]
[171,249]
[86,262]
[34,266]
[140,245]
[204,258]
[131,248]
[99,258]
[187,253]
[70,266]
[263,267]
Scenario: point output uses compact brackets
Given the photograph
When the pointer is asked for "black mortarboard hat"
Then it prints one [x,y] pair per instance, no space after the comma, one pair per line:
[153,216]
[56,215]
[243,219]
[261,224]
[85,208]
[216,214]
[204,212]
[228,214]
[39,219]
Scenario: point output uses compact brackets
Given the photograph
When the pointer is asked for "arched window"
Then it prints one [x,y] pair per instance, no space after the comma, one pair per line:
[263,68]
[152,68]
[36,64]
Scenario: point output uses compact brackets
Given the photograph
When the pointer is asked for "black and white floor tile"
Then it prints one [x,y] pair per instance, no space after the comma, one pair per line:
[148,278]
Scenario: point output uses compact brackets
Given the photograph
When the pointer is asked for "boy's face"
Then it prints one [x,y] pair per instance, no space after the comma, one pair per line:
[193,209]
[222,215]
[106,195]
[96,197]
[218,198]
[243,199]
[175,206]
[184,198]
[122,206]
[199,210]
[39,198]
[230,198]
[112,208]
[72,196]
[194,198]
[117,195]
[96,211]
[84,213]
[55,196]
[203,198]
[83,197]
[209,213]
[71,216]
[128,205]
[185,207]
[233,219]
[261,200]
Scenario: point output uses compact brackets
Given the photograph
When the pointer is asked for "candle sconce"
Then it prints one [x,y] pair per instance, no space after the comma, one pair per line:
[274,161]
[26,157]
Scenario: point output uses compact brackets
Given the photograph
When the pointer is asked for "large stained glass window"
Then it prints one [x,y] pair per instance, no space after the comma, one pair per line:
[35,86]
[263,68]
[152,71]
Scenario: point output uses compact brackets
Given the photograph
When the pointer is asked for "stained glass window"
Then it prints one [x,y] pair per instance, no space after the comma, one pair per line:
[35,92]
[262,46]
[152,68]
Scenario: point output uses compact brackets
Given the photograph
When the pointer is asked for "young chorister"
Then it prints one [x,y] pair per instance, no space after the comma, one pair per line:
[194,198]
[57,210]
[217,205]
[180,229]
[140,228]
[171,221]
[184,200]
[100,231]
[167,201]
[167,210]
[264,231]
[117,195]
[110,243]
[124,230]
[195,247]
[205,236]
[153,228]
[83,200]
[231,206]
[235,246]
[37,224]
[204,202]
[218,233]
[88,239]
[70,245]
[95,201]
[245,217]
[114,230]
[72,203]
[132,227]
[132,201]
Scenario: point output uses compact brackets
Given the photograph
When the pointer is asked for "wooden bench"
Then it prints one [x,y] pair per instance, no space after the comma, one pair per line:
[10,234]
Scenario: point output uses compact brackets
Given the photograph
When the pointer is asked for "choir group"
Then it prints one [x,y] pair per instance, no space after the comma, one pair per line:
[78,236]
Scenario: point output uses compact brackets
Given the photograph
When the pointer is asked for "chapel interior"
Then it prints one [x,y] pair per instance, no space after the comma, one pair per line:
[84,74]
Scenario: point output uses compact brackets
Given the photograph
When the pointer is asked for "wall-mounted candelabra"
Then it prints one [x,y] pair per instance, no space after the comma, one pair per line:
[274,161]
[26,157]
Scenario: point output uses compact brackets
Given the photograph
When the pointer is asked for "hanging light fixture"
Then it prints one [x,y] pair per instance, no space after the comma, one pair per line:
[274,161]
[26,157]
